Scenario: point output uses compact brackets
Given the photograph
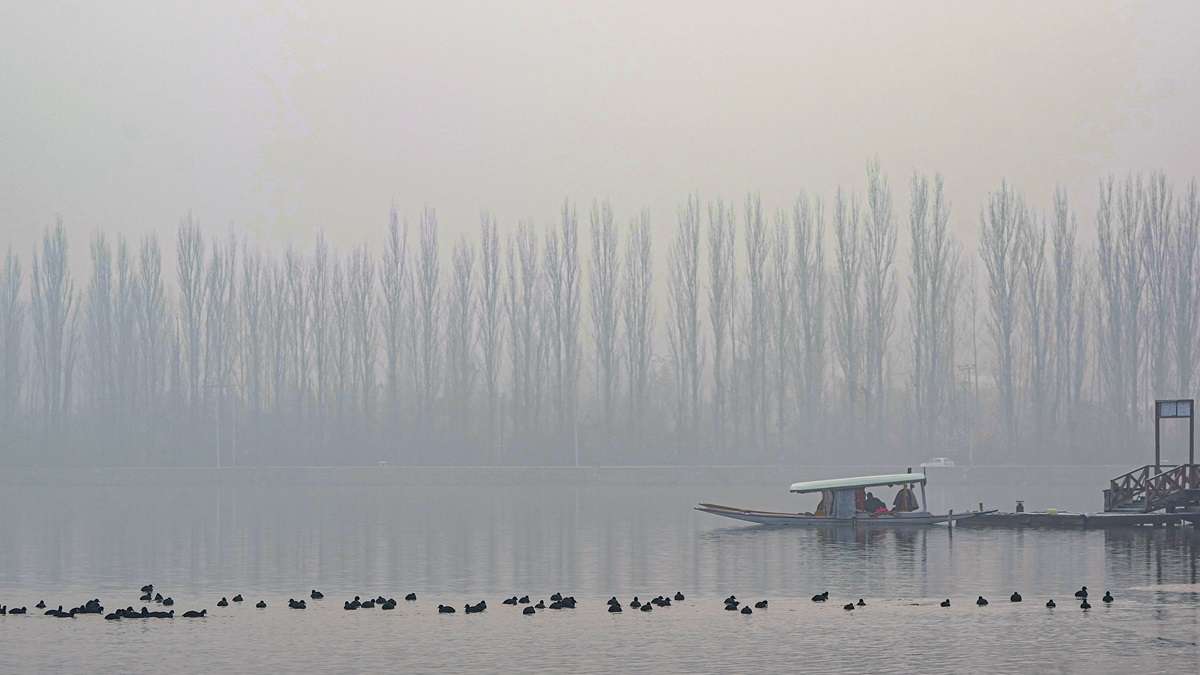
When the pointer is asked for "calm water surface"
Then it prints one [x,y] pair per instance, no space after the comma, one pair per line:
[460,544]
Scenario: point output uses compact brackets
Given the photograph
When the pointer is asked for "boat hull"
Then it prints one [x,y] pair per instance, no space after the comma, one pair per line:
[915,518]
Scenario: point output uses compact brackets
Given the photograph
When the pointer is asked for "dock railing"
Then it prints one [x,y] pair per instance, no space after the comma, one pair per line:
[1151,487]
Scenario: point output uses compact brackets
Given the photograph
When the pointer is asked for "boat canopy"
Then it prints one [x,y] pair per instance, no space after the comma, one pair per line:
[859,482]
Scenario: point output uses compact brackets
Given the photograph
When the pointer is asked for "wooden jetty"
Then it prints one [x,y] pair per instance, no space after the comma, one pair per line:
[1160,487]
[1154,495]
[1061,519]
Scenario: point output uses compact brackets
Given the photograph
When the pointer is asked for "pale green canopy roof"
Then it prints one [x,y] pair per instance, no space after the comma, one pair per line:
[859,482]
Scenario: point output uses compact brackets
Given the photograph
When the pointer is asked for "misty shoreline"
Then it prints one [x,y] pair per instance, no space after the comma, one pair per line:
[776,477]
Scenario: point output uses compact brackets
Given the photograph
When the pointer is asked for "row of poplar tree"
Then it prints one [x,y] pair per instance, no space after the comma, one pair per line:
[736,337]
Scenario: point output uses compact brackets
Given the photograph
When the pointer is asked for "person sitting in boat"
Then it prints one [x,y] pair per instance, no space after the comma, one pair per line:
[875,504]
[905,500]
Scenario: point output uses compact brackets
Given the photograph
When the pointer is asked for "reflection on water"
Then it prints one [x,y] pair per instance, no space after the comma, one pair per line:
[1169,553]
[458,544]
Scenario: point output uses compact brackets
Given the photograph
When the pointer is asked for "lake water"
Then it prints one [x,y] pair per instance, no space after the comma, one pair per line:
[460,544]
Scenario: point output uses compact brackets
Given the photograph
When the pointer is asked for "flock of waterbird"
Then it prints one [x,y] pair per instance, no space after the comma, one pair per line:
[557,602]
[1081,595]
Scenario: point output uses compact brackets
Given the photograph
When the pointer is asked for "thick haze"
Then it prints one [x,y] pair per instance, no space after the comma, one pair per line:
[283,118]
[460,299]
[939,297]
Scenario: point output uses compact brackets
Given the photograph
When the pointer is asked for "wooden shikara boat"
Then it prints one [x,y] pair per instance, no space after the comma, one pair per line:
[838,496]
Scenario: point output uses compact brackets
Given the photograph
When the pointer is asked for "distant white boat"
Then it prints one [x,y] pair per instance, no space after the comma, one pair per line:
[838,495]
[937,462]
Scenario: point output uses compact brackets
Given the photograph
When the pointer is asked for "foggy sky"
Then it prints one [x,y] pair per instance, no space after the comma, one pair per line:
[290,116]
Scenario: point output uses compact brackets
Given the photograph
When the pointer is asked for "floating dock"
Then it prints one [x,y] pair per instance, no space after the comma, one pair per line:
[1060,519]
[1152,495]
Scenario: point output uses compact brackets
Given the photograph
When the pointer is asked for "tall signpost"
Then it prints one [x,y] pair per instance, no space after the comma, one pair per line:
[1175,409]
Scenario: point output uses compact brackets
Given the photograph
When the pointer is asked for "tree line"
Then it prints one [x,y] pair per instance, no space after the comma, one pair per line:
[793,337]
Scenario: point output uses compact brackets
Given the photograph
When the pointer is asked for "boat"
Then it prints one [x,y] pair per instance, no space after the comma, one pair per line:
[839,494]
[935,462]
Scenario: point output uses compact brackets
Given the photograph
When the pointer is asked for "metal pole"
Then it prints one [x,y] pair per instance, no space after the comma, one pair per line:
[1157,420]
[1192,435]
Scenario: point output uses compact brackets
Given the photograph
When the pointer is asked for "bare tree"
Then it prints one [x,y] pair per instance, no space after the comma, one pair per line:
[154,339]
[756,338]
[848,330]
[782,291]
[277,346]
[933,287]
[967,412]
[1063,239]
[319,284]
[176,403]
[1031,252]
[461,338]
[1111,312]
[1185,266]
[125,350]
[562,326]
[296,272]
[555,296]
[544,335]
[342,352]
[721,251]
[12,321]
[1130,204]
[879,290]
[1079,344]
[100,341]
[394,277]
[490,327]
[189,259]
[1156,234]
[808,220]
[568,323]
[219,289]
[54,311]
[921,301]
[521,300]
[605,271]
[638,319]
[251,341]
[1001,223]
[428,299]
[683,328]
[360,282]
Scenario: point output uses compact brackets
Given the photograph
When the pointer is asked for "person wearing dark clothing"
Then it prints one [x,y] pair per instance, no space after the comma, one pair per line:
[905,500]
[875,504]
